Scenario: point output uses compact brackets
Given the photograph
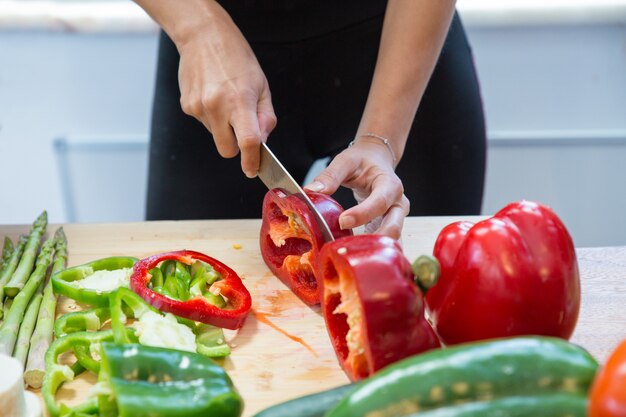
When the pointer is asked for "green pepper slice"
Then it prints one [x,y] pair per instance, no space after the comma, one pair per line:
[147,381]
[125,303]
[83,344]
[71,281]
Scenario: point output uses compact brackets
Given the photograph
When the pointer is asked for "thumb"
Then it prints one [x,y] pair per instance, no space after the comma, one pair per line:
[329,180]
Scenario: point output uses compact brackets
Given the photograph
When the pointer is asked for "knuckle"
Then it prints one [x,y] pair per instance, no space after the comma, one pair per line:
[327,176]
[211,101]
[226,146]
[248,140]
[227,151]
[396,186]
[272,120]
[406,204]
[190,106]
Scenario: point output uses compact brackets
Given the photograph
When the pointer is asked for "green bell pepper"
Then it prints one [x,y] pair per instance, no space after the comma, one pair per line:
[81,321]
[83,344]
[209,340]
[90,283]
[149,381]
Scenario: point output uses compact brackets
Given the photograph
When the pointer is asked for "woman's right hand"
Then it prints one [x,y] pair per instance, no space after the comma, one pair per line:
[222,85]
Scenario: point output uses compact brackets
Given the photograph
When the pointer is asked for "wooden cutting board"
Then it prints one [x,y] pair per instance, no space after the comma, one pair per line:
[269,367]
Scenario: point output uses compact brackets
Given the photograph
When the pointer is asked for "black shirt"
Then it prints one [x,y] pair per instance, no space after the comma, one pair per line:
[293,20]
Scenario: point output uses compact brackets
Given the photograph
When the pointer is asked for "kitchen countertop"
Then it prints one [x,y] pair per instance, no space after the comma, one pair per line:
[125,16]
[266,366]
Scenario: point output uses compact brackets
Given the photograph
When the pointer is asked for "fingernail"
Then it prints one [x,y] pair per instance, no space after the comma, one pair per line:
[315,186]
[346,222]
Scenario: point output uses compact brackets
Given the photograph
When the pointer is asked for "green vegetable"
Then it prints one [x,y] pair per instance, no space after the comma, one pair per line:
[146,381]
[484,374]
[81,321]
[124,300]
[7,251]
[27,261]
[72,282]
[9,267]
[27,327]
[179,281]
[42,335]
[11,325]
[313,405]
[542,405]
[82,344]
[209,340]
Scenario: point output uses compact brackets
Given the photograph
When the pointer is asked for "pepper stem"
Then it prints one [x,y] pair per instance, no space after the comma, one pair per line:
[427,271]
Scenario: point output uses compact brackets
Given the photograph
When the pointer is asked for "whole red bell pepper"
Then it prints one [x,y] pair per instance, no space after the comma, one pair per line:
[290,239]
[198,307]
[512,274]
[607,397]
[374,312]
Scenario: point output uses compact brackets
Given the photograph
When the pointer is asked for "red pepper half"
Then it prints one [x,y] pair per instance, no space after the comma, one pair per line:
[291,239]
[374,312]
[197,308]
[512,274]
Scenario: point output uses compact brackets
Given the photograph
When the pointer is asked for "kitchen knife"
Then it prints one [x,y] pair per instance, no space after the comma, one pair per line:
[274,175]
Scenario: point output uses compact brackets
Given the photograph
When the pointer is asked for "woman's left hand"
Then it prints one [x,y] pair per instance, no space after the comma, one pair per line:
[368,169]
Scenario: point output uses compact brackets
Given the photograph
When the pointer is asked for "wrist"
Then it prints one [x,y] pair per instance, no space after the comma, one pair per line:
[396,137]
[193,19]
[375,137]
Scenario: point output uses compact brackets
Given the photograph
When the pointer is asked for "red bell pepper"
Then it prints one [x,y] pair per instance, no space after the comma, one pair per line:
[291,239]
[512,274]
[374,312]
[607,397]
[197,308]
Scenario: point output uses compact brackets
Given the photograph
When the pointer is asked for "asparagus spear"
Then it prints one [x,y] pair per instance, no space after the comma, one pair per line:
[42,336]
[9,267]
[7,307]
[7,251]
[25,267]
[11,325]
[26,329]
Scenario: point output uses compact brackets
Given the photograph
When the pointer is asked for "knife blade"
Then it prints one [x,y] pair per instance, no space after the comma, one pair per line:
[274,175]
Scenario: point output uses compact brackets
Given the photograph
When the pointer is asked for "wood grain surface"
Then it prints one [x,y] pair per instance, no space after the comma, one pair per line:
[268,367]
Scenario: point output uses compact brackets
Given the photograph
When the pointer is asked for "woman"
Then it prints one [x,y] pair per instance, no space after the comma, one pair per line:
[338,71]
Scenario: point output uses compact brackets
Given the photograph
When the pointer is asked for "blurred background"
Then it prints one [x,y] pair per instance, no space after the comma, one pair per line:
[76,83]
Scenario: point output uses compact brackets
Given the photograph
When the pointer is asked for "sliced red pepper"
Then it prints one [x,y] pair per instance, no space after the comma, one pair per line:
[291,239]
[197,308]
[510,275]
[374,312]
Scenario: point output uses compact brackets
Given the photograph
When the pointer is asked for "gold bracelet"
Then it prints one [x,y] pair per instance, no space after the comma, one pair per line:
[374,135]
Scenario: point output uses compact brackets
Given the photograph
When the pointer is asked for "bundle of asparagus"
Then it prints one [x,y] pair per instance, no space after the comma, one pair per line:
[27,301]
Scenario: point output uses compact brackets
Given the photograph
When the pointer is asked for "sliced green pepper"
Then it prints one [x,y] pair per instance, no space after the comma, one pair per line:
[124,300]
[179,281]
[209,339]
[83,344]
[72,282]
[81,321]
[147,381]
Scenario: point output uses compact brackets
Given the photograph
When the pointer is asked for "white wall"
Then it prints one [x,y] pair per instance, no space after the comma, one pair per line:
[555,98]
[84,87]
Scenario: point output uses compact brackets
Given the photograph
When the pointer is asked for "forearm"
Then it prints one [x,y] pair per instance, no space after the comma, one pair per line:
[181,20]
[412,38]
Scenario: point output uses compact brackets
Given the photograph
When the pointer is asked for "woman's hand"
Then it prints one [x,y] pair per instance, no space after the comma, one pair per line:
[223,86]
[368,169]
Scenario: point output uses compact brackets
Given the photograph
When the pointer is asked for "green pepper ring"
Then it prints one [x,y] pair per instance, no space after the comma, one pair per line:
[64,282]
